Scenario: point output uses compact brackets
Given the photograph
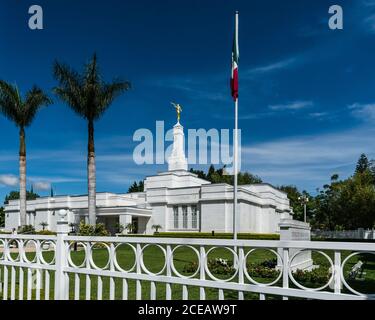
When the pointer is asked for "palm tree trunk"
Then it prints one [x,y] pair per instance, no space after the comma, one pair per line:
[22,163]
[91,174]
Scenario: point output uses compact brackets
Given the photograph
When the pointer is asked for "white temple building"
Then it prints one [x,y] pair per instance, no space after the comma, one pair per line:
[177,200]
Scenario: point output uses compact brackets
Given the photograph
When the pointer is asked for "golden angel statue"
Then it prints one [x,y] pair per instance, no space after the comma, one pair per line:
[178,110]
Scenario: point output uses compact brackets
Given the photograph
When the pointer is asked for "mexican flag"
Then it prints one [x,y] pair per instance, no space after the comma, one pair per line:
[235,60]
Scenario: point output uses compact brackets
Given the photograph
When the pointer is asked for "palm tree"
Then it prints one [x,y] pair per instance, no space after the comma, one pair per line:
[156,227]
[89,96]
[44,225]
[22,111]
[130,227]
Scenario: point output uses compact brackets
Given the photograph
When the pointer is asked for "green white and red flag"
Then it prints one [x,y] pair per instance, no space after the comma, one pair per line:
[235,60]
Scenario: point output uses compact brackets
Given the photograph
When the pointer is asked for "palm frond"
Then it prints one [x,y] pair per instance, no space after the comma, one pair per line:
[21,111]
[35,100]
[87,94]
[10,102]
[70,87]
[109,92]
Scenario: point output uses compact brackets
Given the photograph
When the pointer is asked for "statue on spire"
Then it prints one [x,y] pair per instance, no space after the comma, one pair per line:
[178,110]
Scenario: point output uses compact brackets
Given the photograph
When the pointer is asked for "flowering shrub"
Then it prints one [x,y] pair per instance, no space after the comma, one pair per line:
[265,269]
[317,276]
[191,267]
[89,230]
[259,271]
[216,266]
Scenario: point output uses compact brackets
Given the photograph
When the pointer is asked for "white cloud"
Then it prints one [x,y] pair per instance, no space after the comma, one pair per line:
[308,161]
[318,115]
[42,186]
[368,3]
[59,179]
[370,23]
[363,111]
[297,105]
[9,180]
[272,67]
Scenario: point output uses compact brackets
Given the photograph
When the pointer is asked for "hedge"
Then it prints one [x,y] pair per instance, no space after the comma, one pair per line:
[203,235]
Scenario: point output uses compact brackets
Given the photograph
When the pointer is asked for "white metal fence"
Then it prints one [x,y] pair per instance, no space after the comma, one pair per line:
[359,234]
[44,267]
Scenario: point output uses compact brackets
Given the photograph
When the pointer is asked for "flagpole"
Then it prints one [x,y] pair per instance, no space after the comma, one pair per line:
[235,153]
[235,159]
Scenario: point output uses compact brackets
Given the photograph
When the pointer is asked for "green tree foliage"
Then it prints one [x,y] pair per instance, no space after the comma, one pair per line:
[347,204]
[221,176]
[341,204]
[2,217]
[363,164]
[15,195]
[92,230]
[298,209]
[137,187]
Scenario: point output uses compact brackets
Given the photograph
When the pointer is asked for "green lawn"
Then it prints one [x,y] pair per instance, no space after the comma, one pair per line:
[184,256]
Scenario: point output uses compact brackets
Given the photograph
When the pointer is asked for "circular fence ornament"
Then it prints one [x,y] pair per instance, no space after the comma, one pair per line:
[71,263]
[331,278]
[372,296]
[2,248]
[235,264]
[116,262]
[28,250]
[174,268]
[91,255]
[251,279]
[18,244]
[47,246]
[141,261]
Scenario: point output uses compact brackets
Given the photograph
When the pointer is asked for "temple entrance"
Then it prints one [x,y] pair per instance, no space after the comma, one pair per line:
[135,223]
[110,222]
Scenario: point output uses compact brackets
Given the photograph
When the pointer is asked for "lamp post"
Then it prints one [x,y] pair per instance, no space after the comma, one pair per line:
[304,200]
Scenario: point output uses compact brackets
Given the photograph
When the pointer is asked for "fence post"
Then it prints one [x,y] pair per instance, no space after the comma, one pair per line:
[337,272]
[62,230]
[285,270]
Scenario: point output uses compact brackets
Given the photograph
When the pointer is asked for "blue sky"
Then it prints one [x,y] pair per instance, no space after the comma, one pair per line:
[307,98]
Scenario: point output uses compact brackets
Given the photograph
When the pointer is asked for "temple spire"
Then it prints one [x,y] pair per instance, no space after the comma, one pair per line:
[177,160]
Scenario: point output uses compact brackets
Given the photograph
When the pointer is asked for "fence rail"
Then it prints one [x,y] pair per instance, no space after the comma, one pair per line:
[360,234]
[67,267]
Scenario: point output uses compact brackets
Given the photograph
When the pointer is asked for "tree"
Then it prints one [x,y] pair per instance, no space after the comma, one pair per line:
[98,230]
[15,195]
[199,173]
[120,227]
[43,225]
[356,203]
[346,204]
[293,195]
[136,187]
[220,176]
[363,164]
[22,111]
[156,227]
[89,96]
[130,227]
[326,202]
[2,217]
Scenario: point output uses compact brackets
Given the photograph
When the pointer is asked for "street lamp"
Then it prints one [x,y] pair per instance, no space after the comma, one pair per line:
[304,200]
